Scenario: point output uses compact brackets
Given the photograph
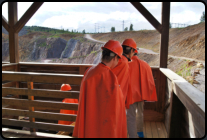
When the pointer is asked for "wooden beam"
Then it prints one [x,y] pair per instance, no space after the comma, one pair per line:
[164,53]
[27,15]
[9,67]
[5,23]
[13,36]
[38,125]
[164,34]
[42,77]
[148,16]
[39,114]
[9,84]
[31,109]
[40,92]
[27,134]
[39,103]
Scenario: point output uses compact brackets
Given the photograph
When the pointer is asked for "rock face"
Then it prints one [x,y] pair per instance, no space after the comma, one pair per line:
[71,44]
[56,48]
[35,52]
[43,48]
[98,58]
[81,53]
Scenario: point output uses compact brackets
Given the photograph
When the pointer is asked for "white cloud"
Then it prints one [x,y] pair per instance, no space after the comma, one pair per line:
[84,15]
[5,10]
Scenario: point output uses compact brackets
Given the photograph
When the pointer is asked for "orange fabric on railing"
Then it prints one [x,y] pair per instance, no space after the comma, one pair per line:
[67,100]
[101,110]
[142,81]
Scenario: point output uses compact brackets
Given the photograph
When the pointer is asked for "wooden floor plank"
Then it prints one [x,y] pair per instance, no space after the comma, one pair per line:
[6,135]
[160,130]
[20,136]
[148,130]
[26,136]
[144,129]
[154,130]
[14,135]
[164,129]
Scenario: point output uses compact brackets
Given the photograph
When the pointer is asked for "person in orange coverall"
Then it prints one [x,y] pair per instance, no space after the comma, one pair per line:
[67,87]
[143,89]
[122,69]
[101,110]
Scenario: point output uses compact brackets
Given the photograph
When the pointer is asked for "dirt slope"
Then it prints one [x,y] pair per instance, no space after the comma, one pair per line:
[184,42]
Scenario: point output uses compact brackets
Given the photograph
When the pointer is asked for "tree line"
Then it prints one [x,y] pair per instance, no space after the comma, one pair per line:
[125,29]
[51,30]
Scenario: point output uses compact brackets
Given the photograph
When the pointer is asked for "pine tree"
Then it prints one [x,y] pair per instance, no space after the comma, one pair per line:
[112,29]
[131,27]
[84,31]
[126,29]
[202,19]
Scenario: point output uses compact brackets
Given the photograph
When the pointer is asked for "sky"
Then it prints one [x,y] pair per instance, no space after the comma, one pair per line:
[104,15]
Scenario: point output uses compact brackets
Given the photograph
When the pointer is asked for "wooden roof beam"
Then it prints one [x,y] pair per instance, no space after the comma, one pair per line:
[5,23]
[148,16]
[27,15]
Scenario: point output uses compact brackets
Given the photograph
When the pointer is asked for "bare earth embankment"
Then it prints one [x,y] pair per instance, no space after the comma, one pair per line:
[186,52]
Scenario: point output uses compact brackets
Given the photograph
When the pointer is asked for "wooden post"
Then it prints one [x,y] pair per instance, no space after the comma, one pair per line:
[164,53]
[30,87]
[176,109]
[164,34]
[13,36]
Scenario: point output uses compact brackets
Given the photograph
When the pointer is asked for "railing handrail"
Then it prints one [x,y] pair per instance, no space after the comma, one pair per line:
[9,67]
[56,64]
[198,99]
[41,77]
[40,92]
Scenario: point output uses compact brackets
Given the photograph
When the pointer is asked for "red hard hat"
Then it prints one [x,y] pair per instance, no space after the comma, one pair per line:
[131,43]
[65,87]
[114,46]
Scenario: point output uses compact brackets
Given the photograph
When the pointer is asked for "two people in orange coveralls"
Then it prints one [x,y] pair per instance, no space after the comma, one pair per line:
[121,81]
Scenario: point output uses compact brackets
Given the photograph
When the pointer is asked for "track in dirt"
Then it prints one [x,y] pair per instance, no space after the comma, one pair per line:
[141,50]
[147,51]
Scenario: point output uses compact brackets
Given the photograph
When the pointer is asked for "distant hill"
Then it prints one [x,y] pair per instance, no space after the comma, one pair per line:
[27,29]
[22,32]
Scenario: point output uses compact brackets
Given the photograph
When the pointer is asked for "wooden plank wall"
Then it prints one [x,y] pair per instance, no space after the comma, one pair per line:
[154,105]
[52,68]
[28,107]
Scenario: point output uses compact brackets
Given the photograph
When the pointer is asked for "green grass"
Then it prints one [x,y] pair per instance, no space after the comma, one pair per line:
[185,71]
[54,36]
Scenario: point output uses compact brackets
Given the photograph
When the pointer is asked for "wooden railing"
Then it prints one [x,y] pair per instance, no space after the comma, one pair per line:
[185,116]
[10,67]
[28,106]
[184,105]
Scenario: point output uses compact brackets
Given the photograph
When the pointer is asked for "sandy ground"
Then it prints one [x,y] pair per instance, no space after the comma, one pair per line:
[141,50]
[90,38]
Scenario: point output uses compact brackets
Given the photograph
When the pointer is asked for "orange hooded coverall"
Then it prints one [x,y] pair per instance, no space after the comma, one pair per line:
[122,72]
[142,81]
[101,110]
[67,87]
[67,100]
